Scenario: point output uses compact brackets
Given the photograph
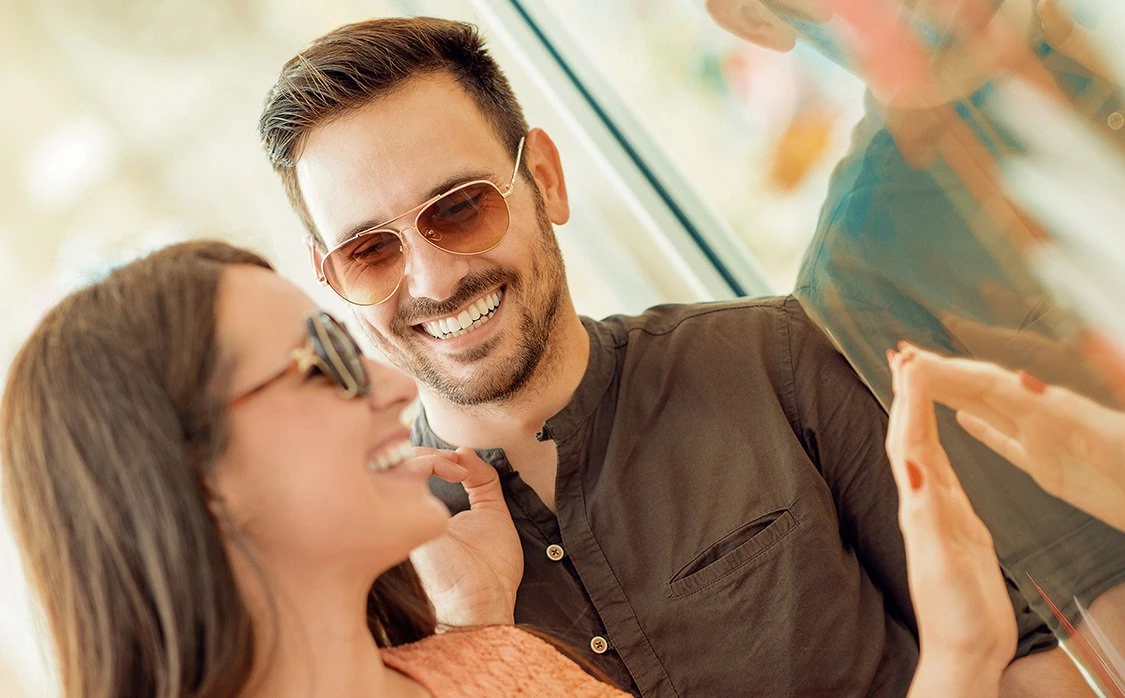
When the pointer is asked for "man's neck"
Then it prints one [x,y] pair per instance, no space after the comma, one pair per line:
[513,424]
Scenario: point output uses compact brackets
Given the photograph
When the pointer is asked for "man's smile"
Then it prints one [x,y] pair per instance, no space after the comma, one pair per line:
[472,316]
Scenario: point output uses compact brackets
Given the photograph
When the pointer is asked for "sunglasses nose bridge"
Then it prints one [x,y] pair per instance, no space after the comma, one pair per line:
[458,229]
[428,271]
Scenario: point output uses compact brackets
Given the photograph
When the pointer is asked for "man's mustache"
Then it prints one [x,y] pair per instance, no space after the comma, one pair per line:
[469,288]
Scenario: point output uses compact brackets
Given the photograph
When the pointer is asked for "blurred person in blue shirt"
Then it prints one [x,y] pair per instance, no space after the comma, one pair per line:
[917,241]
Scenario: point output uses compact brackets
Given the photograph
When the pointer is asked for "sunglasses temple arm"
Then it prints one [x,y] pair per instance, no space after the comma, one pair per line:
[293,367]
[516,171]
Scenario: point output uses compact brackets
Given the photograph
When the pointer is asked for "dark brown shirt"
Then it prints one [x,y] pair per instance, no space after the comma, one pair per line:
[726,512]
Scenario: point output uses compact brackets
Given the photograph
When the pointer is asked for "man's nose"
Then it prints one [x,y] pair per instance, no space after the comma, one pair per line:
[430,272]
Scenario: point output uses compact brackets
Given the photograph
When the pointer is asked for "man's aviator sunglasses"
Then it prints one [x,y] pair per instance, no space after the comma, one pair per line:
[330,349]
[470,218]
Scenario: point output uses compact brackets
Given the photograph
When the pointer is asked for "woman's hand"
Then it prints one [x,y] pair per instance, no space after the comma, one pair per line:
[1071,446]
[967,631]
[472,572]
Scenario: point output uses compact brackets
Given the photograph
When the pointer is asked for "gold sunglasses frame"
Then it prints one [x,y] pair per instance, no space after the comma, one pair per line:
[318,260]
[305,357]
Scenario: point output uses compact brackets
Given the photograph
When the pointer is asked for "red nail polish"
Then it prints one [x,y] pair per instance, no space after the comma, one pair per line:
[1032,383]
[914,475]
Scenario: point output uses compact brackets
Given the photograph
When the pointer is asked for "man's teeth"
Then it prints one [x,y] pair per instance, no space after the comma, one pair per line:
[391,457]
[467,320]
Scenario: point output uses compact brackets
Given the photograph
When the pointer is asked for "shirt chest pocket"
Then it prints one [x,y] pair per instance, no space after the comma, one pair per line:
[751,544]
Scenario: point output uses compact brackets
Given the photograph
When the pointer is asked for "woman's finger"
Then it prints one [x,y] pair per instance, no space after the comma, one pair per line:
[901,431]
[480,480]
[916,432]
[1108,358]
[1004,444]
[897,426]
[482,483]
[984,388]
[431,463]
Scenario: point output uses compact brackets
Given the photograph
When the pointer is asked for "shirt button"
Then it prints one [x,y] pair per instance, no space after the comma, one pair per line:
[1116,120]
[555,552]
[599,644]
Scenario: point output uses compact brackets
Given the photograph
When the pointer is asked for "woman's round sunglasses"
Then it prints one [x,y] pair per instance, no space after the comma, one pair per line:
[330,349]
[470,218]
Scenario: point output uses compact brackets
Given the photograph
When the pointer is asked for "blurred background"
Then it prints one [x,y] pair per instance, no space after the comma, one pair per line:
[696,162]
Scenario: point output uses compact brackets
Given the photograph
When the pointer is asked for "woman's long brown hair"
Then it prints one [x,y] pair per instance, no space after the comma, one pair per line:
[108,429]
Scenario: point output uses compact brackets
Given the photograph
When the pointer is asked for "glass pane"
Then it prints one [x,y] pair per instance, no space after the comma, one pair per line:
[624,246]
[752,133]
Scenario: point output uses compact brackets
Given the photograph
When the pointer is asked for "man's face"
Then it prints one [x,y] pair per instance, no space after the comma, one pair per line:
[388,157]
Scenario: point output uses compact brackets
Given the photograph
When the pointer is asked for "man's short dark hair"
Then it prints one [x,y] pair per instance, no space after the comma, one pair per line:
[354,64]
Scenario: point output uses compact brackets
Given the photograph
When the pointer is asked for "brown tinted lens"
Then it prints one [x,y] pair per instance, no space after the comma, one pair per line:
[368,269]
[342,355]
[468,220]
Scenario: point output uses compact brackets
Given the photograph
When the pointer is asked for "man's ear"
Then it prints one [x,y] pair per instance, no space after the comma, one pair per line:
[542,158]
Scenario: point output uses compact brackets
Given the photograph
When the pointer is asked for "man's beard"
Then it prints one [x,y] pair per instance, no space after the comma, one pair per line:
[537,319]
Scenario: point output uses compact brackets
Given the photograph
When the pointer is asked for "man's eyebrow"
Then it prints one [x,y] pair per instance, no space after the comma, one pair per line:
[439,188]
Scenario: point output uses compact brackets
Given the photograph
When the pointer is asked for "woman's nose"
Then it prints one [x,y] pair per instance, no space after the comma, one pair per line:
[390,387]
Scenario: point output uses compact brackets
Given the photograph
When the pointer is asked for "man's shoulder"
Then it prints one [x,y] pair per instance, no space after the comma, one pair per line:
[765,313]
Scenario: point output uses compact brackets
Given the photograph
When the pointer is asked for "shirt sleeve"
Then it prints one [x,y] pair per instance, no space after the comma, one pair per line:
[843,428]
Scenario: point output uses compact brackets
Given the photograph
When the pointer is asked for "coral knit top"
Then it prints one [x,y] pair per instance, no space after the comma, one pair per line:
[498,660]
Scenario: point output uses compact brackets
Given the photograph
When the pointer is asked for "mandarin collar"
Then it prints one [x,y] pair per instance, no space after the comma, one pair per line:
[600,370]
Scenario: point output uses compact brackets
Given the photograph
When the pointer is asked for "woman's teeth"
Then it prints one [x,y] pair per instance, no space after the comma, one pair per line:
[410,413]
[391,457]
[478,313]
